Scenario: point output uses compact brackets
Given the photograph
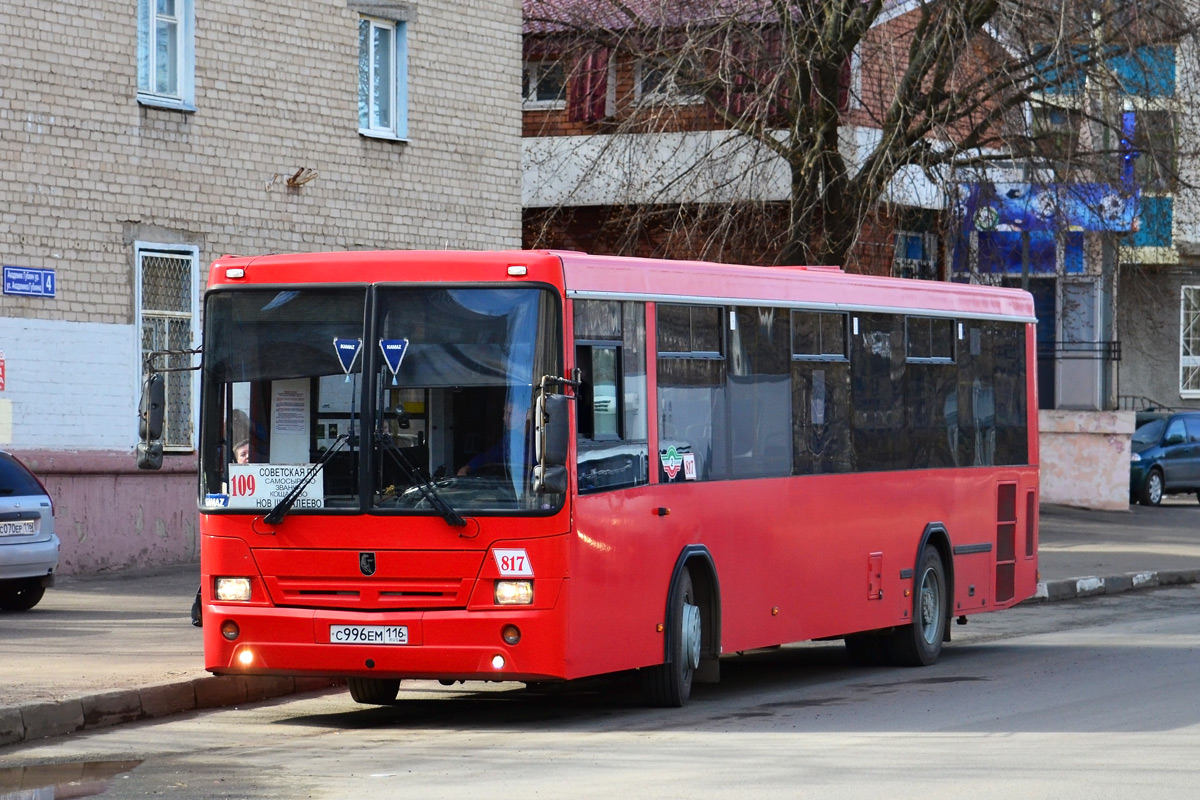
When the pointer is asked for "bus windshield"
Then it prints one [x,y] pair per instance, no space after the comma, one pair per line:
[422,405]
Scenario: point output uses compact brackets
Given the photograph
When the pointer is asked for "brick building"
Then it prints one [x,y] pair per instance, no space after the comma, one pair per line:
[138,141]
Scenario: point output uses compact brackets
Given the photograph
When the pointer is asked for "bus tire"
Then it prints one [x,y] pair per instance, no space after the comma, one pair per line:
[373,691]
[920,644]
[669,685]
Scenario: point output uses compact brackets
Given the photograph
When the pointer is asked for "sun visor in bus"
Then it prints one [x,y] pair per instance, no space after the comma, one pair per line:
[447,366]
[425,366]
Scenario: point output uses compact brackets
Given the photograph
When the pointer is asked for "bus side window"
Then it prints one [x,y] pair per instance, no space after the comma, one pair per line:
[601,409]
[613,451]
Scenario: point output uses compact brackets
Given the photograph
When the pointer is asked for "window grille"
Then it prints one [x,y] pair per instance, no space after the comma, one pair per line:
[1189,342]
[167,301]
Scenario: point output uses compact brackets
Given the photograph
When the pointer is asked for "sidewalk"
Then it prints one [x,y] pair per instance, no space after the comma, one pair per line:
[103,650]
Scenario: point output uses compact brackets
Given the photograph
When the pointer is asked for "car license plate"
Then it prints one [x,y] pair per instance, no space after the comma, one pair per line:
[368,634]
[21,527]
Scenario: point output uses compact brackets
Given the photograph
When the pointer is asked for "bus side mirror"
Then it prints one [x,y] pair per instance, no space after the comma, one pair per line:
[149,455]
[553,433]
[150,410]
[150,423]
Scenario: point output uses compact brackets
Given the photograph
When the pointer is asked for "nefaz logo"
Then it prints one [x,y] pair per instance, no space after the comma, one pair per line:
[366,563]
[672,461]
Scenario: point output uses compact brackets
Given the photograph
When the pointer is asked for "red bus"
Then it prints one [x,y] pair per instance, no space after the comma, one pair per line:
[539,466]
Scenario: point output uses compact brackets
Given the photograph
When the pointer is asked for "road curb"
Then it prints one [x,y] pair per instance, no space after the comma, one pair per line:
[1091,586]
[44,719]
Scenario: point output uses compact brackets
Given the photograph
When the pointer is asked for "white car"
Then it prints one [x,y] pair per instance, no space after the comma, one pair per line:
[28,545]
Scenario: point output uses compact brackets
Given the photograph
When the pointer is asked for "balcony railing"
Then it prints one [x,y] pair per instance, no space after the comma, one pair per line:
[1066,379]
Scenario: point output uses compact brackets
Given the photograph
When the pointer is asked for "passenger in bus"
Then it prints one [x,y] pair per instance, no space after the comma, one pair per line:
[241,452]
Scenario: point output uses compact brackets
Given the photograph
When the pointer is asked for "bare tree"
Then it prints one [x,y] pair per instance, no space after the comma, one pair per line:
[783,127]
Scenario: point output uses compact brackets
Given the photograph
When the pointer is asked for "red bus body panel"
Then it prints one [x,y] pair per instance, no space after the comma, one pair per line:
[795,558]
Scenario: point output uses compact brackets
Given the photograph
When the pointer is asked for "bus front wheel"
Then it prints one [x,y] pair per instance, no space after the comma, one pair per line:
[920,644]
[373,691]
[669,685]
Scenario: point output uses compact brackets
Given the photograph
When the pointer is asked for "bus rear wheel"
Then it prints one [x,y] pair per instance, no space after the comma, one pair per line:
[669,685]
[920,644]
[373,691]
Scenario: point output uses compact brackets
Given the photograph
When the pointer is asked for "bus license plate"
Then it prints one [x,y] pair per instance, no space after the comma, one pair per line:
[368,634]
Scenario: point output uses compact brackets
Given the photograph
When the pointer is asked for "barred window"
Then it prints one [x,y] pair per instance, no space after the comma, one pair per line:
[1189,342]
[167,282]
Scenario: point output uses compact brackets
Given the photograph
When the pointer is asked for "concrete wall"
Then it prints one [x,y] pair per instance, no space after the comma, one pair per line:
[109,515]
[1148,319]
[1085,458]
[86,172]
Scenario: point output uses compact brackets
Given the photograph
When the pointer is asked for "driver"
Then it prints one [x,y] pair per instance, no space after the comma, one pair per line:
[499,455]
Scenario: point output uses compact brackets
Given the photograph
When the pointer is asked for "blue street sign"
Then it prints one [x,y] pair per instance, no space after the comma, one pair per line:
[29,281]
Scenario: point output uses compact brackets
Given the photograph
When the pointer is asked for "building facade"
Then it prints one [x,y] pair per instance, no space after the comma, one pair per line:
[145,139]
[1158,299]
[1118,304]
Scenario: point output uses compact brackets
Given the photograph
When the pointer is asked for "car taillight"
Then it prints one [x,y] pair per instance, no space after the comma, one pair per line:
[38,481]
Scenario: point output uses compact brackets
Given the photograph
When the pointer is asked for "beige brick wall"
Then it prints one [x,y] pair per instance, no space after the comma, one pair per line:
[85,171]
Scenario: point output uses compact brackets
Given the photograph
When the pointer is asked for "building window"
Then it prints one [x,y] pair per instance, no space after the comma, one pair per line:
[1056,135]
[666,80]
[544,85]
[1154,164]
[915,256]
[166,53]
[1189,342]
[167,305]
[383,78]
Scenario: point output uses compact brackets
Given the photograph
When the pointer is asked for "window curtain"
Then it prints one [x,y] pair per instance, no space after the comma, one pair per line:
[587,95]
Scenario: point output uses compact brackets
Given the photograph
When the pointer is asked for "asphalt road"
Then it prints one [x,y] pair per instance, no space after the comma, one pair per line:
[1092,697]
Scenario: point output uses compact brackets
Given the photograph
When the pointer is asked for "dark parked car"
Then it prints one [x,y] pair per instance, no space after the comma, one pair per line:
[1166,457]
[28,546]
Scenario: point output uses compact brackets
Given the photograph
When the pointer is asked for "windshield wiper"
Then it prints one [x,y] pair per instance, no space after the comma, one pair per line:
[423,484]
[275,516]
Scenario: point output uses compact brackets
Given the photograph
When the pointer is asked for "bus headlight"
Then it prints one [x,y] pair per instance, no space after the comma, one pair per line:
[233,590]
[514,593]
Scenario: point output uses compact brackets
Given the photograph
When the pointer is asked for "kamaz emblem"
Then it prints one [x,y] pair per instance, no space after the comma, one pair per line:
[366,563]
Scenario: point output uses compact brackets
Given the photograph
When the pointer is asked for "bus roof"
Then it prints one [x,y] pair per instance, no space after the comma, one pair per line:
[591,276]
[585,276]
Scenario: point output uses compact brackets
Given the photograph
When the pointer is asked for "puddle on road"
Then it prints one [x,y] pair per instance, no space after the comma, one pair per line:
[51,781]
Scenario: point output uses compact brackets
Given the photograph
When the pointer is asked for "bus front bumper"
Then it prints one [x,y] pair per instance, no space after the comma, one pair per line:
[447,645]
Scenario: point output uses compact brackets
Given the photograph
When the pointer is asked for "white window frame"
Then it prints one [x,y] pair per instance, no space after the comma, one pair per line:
[531,74]
[397,126]
[1189,342]
[181,96]
[142,249]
